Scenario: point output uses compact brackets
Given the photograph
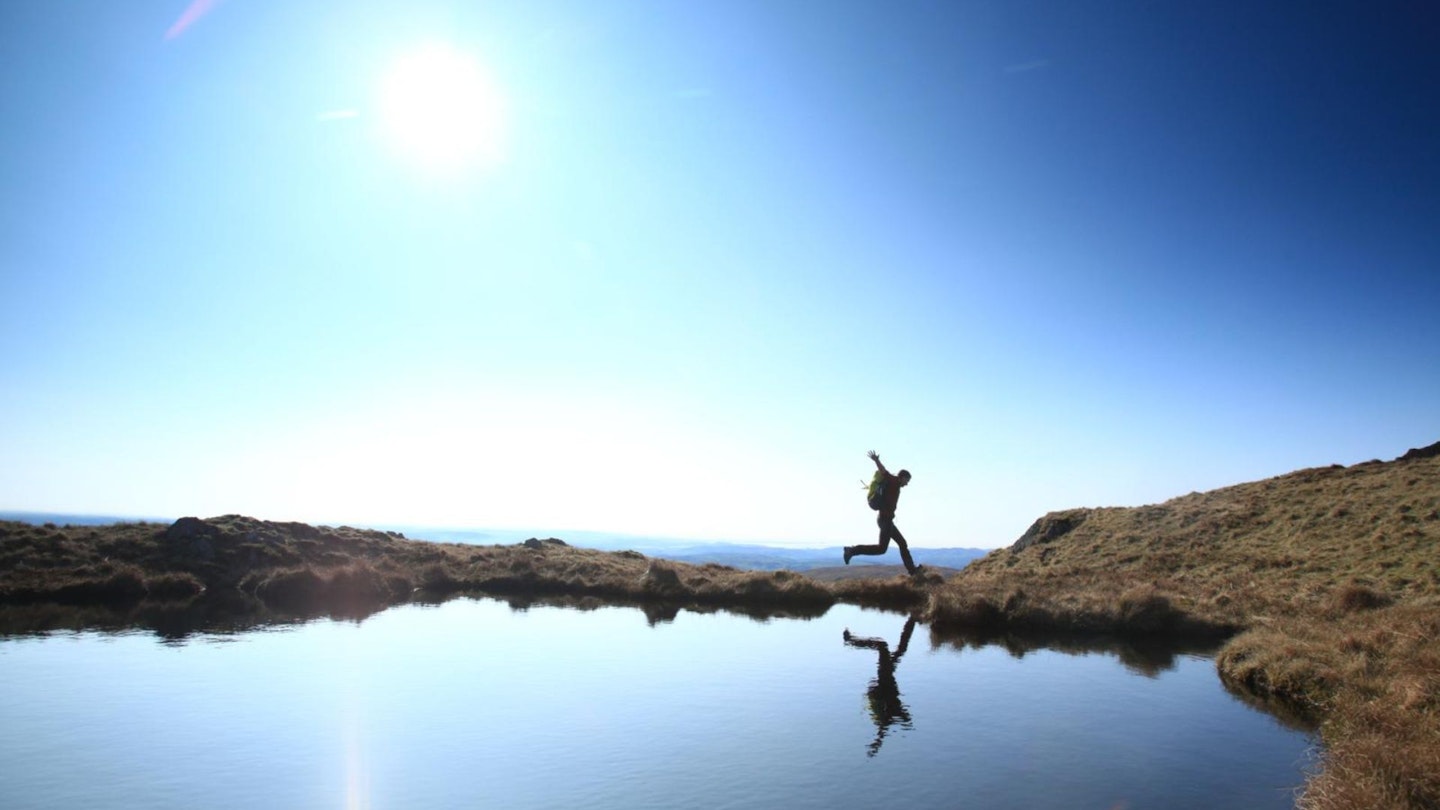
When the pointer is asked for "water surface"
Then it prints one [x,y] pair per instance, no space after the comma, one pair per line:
[472,704]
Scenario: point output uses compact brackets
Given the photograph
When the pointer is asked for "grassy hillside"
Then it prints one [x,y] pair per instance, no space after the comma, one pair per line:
[1331,575]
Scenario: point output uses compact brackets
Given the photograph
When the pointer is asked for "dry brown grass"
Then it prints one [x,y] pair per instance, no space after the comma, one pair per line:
[899,592]
[298,567]
[1330,573]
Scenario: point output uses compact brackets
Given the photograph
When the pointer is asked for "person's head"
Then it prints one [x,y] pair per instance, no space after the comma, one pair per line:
[904,476]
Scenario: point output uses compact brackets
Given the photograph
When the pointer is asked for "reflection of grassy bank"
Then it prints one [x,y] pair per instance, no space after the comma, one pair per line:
[1147,655]
[179,620]
[1328,575]
[169,619]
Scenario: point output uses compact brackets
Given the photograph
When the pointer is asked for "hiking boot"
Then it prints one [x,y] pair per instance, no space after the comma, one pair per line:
[849,552]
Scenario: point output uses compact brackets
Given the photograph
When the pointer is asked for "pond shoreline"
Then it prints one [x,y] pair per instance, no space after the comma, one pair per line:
[240,563]
[1316,622]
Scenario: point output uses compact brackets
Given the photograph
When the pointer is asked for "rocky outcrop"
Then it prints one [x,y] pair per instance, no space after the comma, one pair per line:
[191,537]
[660,578]
[1051,528]
[1421,452]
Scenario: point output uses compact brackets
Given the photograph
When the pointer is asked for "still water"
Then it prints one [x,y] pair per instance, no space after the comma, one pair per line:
[473,704]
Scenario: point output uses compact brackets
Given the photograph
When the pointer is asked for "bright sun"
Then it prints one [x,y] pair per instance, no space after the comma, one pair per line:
[440,110]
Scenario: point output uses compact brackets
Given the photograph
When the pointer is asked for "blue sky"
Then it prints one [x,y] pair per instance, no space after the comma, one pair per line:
[672,268]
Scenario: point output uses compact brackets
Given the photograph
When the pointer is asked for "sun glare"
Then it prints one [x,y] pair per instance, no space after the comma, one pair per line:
[440,110]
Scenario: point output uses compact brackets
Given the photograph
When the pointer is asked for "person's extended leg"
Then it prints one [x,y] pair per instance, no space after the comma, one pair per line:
[875,549]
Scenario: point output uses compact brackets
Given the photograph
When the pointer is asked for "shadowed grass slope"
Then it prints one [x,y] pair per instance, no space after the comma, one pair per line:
[1330,573]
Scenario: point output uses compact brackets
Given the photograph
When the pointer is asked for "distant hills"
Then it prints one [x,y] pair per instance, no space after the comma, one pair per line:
[63,519]
[773,558]
[754,557]
[745,556]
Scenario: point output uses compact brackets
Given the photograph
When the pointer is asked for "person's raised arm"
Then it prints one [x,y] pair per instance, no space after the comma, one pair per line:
[875,458]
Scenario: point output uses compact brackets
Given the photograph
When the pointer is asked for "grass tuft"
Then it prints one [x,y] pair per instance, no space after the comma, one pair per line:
[1143,609]
[1353,597]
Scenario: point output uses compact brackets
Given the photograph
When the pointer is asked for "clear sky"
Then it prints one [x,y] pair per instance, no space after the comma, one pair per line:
[671,268]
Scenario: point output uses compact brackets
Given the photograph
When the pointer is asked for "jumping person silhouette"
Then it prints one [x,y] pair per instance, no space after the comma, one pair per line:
[886,520]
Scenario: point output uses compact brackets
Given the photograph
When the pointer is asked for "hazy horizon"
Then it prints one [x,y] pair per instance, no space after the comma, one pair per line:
[487,534]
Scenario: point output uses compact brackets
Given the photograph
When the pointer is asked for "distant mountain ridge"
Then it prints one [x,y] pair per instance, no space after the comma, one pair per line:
[64,519]
[772,558]
[753,556]
[748,556]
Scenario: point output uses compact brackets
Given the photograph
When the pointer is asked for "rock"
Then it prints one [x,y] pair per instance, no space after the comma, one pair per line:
[1421,452]
[660,578]
[535,542]
[192,537]
[187,527]
[1050,528]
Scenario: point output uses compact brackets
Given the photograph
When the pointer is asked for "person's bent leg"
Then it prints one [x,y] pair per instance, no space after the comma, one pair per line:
[904,548]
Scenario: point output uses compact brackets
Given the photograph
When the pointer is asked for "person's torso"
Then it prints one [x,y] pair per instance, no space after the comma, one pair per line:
[892,495]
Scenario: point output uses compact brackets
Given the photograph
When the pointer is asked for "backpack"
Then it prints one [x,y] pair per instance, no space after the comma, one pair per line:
[875,494]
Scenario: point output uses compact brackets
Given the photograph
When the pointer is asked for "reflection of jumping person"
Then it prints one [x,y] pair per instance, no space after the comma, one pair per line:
[886,520]
[884,693]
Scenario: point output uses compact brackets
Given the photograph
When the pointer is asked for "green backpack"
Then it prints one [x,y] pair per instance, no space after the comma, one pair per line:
[875,494]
